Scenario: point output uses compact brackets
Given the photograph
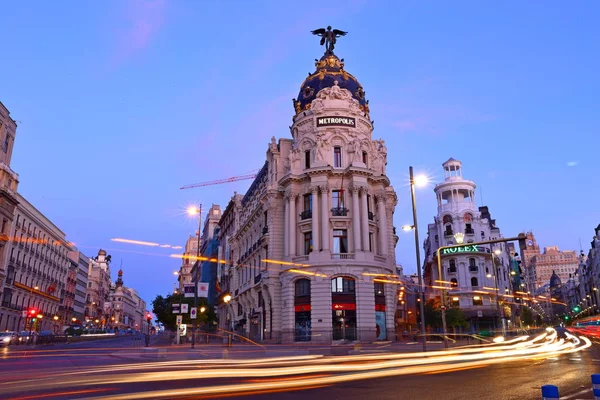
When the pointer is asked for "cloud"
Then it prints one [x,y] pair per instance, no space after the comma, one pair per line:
[144,18]
[572,163]
[435,120]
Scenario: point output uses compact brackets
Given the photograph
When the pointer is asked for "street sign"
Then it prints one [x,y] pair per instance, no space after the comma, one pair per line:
[202,289]
[188,290]
[179,319]
[175,308]
[184,308]
[193,312]
[24,314]
[479,313]
[182,329]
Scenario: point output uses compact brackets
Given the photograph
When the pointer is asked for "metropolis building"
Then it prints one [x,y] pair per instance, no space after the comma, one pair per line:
[474,273]
[307,253]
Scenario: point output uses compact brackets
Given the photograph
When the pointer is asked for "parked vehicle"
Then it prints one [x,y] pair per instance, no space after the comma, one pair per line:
[8,338]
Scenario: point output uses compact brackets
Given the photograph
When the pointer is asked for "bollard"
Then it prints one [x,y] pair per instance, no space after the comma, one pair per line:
[550,392]
[229,341]
[596,386]
[225,354]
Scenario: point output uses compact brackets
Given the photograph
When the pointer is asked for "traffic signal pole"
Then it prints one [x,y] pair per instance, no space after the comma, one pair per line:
[520,238]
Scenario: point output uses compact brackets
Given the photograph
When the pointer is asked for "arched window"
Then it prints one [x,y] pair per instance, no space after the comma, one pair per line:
[342,284]
[447,219]
[302,287]
[473,265]
[474,282]
[453,282]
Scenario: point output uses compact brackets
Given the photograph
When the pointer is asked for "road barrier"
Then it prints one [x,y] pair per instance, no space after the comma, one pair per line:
[550,392]
[596,386]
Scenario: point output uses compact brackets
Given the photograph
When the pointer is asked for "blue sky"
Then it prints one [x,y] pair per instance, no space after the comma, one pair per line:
[120,103]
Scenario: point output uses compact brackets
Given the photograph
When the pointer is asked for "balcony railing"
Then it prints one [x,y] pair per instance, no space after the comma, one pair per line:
[342,256]
[473,268]
[339,212]
[306,214]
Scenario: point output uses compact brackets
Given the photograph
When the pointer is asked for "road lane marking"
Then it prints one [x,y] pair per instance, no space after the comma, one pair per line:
[574,395]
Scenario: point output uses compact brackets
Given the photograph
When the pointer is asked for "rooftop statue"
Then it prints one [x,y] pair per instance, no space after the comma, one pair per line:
[328,37]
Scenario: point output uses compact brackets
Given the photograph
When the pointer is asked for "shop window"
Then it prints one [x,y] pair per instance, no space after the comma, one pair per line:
[379,288]
[453,282]
[477,301]
[455,301]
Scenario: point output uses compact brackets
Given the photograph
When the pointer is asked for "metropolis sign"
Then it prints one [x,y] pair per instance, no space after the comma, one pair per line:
[336,121]
[463,249]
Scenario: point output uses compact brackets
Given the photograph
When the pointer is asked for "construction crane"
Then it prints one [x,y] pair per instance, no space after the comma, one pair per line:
[220,181]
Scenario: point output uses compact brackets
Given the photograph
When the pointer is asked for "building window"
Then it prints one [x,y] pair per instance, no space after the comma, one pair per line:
[364,157]
[371,242]
[337,157]
[379,289]
[474,282]
[340,241]
[453,282]
[473,265]
[342,284]
[448,230]
[469,229]
[308,246]
[302,288]
[477,301]
[336,198]
[6,141]
[307,158]
[452,267]
[307,202]
[455,301]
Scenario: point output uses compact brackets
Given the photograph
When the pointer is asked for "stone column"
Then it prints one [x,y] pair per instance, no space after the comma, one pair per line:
[356,220]
[382,217]
[315,218]
[364,213]
[325,217]
[293,226]
[286,226]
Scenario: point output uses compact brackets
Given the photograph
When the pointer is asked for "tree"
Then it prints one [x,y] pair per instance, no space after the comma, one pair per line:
[455,318]
[526,316]
[433,313]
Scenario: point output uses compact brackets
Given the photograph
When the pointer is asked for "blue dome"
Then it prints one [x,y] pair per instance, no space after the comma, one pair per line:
[328,70]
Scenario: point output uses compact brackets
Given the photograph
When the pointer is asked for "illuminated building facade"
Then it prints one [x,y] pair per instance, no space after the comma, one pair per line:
[125,309]
[474,273]
[185,271]
[98,286]
[315,227]
[36,272]
[9,181]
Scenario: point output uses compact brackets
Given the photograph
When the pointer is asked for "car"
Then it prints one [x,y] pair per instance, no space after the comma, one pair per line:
[7,338]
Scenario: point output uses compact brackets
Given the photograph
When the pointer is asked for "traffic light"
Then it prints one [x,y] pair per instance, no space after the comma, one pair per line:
[32,311]
[576,309]
[149,318]
[566,317]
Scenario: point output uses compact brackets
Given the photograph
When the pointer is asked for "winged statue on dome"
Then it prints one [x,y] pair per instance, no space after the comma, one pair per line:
[328,37]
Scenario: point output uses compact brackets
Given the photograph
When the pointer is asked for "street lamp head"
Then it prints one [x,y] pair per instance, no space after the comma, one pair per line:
[497,252]
[56,317]
[407,228]
[227,298]
[202,309]
[488,275]
[36,288]
[420,180]
[193,210]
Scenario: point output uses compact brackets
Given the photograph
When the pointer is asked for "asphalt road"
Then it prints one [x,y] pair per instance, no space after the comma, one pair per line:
[510,380]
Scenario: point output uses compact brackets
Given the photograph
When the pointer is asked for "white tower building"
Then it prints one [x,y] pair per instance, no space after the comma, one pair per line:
[476,273]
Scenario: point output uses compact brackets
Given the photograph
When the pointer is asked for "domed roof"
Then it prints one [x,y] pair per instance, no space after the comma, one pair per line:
[555,280]
[102,252]
[328,70]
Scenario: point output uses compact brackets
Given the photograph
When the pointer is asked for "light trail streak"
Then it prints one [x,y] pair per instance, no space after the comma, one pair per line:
[289,373]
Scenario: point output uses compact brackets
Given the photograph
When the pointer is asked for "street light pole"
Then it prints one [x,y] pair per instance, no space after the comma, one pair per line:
[196,277]
[418,256]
